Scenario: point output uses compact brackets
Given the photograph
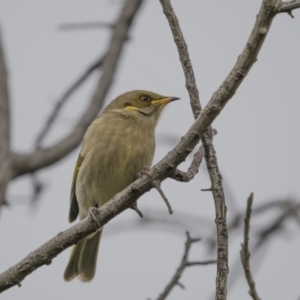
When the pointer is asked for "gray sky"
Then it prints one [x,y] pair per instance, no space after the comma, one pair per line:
[257,144]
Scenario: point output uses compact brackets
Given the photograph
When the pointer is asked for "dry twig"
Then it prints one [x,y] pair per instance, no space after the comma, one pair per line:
[245,253]
[157,185]
[160,171]
[64,98]
[183,265]
[209,153]
[5,153]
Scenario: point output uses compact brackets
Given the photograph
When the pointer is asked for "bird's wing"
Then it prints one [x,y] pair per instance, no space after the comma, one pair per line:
[74,208]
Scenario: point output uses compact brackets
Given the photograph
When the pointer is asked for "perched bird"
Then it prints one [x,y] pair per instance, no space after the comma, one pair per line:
[115,148]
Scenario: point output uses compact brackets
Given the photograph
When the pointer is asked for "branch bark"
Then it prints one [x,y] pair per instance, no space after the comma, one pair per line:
[288,6]
[162,169]
[28,163]
[183,265]
[245,253]
[209,151]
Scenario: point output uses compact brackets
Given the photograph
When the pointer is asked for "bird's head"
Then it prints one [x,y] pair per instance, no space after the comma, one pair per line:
[140,104]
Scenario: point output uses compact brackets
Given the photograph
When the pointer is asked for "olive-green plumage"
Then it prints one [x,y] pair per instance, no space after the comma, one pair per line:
[116,146]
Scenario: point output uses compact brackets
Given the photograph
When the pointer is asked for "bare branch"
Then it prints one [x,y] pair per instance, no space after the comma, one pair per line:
[136,209]
[162,169]
[209,151]
[63,100]
[194,167]
[157,186]
[183,265]
[28,163]
[221,209]
[192,170]
[190,82]
[5,167]
[4,105]
[245,253]
[266,233]
[288,6]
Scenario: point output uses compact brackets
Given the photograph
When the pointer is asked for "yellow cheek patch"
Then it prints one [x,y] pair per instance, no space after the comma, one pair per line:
[131,108]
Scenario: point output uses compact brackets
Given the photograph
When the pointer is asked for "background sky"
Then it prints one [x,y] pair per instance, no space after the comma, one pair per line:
[257,144]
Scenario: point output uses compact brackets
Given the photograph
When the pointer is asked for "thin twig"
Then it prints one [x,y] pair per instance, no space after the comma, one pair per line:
[136,209]
[5,151]
[63,100]
[160,171]
[277,225]
[209,153]
[194,167]
[245,253]
[183,265]
[220,209]
[157,186]
[192,170]
[54,115]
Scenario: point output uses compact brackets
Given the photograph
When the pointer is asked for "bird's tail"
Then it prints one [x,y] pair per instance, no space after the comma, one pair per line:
[83,259]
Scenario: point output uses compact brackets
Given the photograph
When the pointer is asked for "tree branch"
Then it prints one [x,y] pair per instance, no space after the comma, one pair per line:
[183,265]
[192,170]
[245,253]
[209,151]
[162,169]
[5,166]
[28,163]
[62,101]
[287,7]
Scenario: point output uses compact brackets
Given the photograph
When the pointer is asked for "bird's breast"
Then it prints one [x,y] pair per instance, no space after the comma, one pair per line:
[114,155]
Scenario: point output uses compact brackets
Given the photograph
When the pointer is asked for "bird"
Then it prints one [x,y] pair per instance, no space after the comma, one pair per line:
[115,148]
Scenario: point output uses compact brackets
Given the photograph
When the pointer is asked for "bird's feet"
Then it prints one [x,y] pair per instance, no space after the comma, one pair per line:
[93,211]
[144,171]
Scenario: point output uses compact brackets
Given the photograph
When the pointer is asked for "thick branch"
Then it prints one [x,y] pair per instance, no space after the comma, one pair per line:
[183,265]
[245,253]
[209,151]
[27,163]
[162,169]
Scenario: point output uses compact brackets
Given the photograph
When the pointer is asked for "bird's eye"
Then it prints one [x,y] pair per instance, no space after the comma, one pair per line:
[145,98]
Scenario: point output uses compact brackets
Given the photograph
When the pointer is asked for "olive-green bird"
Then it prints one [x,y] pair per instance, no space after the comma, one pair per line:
[115,148]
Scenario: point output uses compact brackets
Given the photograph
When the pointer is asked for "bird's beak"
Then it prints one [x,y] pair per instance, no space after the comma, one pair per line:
[164,100]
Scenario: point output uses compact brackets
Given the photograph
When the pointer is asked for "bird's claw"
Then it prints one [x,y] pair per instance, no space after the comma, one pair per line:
[93,211]
[144,171]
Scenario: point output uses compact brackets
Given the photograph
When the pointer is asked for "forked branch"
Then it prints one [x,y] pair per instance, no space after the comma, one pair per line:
[185,263]
[162,170]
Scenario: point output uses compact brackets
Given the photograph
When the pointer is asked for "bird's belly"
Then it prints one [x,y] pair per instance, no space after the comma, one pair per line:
[106,173]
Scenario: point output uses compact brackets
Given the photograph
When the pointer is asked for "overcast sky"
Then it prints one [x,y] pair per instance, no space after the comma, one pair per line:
[258,142]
